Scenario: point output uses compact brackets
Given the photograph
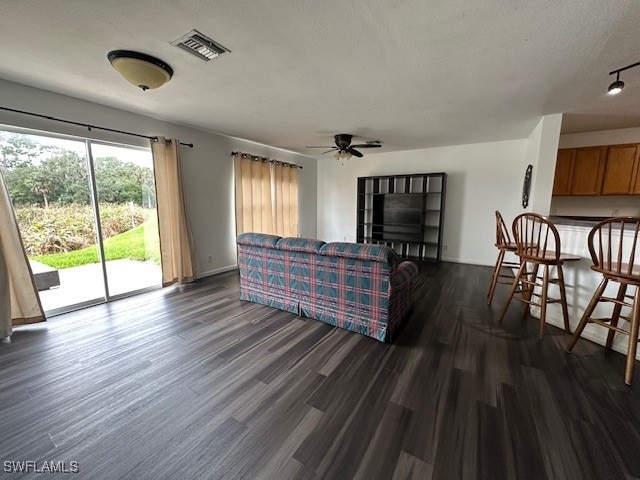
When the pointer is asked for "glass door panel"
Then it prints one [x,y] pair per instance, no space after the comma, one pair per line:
[129,223]
[48,181]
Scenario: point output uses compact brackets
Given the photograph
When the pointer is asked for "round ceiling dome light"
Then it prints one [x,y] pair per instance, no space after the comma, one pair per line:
[139,69]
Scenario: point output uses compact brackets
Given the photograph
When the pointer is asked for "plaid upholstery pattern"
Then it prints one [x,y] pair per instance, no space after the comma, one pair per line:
[362,251]
[258,239]
[300,244]
[401,293]
[352,286]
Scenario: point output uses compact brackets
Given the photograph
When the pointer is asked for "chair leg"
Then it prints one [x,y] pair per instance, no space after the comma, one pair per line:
[514,287]
[587,313]
[633,338]
[543,302]
[615,316]
[496,275]
[528,292]
[563,299]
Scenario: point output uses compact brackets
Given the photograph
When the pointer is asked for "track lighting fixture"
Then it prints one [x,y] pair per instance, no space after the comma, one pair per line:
[617,86]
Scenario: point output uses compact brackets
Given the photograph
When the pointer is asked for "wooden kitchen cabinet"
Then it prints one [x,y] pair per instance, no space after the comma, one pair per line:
[564,171]
[621,170]
[602,170]
[588,171]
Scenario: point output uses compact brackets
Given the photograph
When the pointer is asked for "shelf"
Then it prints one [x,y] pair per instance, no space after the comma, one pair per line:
[397,240]
[409,221]
[412,225]
[369,194]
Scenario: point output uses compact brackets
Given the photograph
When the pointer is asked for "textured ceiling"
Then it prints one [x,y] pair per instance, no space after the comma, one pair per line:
[412,73]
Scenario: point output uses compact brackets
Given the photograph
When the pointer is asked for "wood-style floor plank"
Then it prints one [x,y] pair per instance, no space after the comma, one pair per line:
[191,382]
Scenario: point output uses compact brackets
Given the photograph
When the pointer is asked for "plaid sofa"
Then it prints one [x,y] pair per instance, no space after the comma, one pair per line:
[360,287]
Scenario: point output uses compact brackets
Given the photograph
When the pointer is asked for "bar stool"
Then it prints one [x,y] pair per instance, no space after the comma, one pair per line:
[504,244]
[538,245]
[615,251]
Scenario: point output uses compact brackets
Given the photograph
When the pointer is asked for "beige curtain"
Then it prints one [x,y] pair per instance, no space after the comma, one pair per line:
[19,300]
[175,236]
[266,196]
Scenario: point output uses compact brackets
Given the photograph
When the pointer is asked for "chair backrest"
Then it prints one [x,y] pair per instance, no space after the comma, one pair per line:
[502,233]
[536,237]
[614,247]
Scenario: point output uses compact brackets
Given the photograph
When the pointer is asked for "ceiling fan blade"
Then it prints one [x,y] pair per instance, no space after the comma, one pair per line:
[367,145]
[353,152]
[321,146]
[328,151]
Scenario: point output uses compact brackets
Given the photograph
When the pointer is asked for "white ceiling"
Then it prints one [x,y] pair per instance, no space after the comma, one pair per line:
[412,73]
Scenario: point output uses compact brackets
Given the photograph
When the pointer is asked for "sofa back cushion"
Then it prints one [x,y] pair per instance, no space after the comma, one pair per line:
[294,244]
[361,251]
[257,239]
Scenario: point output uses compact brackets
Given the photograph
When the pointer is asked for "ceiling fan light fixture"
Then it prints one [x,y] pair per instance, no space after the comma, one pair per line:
[140,69]
[344,149]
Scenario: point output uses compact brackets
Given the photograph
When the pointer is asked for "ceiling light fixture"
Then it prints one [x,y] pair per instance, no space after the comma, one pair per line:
[342,154]
[139,69]
[617,86]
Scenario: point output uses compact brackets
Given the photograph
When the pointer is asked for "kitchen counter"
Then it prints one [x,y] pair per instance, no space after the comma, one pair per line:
[576,221]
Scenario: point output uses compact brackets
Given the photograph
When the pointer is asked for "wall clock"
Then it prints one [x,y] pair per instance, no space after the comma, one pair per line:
[526,187]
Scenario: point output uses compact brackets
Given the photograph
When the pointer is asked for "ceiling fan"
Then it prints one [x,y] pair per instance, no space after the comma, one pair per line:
[344,149]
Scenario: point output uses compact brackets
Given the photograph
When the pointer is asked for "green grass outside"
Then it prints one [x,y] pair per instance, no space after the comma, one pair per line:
[140,243]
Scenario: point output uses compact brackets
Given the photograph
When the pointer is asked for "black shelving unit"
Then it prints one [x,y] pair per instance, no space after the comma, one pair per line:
[405,212]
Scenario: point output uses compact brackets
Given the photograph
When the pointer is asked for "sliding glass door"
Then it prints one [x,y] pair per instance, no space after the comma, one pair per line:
[127,203]
[86,212]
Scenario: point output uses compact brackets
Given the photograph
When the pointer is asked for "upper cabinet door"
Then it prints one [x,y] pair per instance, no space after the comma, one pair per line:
[588,171]
[636,190]
[564,171]
[622,162]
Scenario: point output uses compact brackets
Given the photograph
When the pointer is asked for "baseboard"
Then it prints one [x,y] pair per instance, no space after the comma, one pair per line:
[217,271]
[469,261]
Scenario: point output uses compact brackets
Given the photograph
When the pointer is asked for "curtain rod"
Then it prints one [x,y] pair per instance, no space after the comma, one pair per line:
[190,145]
[265,159]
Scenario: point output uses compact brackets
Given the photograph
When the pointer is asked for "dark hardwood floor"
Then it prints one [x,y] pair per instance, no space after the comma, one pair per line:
[193,383]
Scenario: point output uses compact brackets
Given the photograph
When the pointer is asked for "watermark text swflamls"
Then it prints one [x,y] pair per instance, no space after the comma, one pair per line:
[32,466]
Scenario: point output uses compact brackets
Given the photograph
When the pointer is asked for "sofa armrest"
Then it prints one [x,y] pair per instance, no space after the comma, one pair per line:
[404,273]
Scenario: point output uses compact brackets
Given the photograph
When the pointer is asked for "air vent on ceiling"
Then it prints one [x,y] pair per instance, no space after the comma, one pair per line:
[200,45]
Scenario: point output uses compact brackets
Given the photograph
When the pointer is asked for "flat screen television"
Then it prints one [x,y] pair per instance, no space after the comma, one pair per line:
[396,216]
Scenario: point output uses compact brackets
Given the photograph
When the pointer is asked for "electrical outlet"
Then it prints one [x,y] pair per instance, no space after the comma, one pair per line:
[210,258]
[616,212]
[445,247]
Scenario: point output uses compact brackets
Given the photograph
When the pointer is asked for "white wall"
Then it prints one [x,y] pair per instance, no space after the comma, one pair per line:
[542,151]
[207,168]
[482,178]
[603,137]
[597,206]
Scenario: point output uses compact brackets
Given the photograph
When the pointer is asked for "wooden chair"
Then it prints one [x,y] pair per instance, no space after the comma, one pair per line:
[504,244]
[538,245]
[615,251]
